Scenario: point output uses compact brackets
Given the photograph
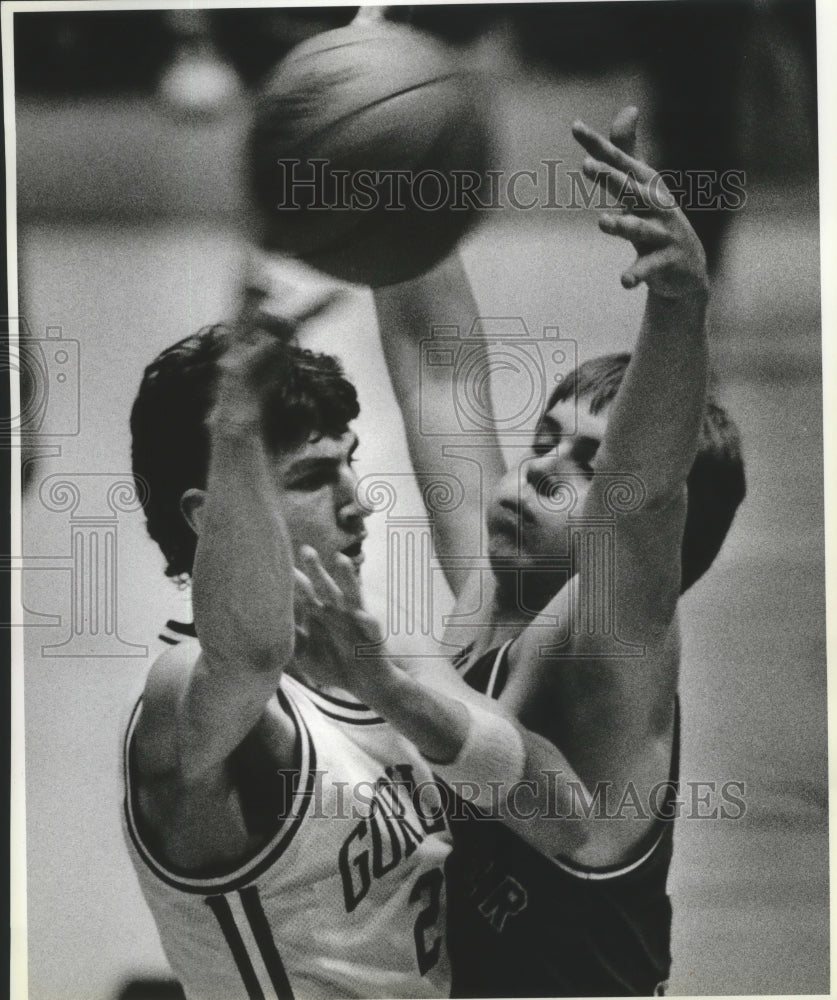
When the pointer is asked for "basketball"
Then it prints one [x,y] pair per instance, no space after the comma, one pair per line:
[366,154]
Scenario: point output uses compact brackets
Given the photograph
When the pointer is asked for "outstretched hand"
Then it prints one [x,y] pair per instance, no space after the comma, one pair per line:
[670,257]
[333,605]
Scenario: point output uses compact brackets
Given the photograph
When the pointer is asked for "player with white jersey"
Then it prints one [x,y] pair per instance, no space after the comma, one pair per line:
[345,897]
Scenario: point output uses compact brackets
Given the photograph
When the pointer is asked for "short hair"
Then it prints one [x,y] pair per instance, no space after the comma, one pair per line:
[716,483]
[307,394]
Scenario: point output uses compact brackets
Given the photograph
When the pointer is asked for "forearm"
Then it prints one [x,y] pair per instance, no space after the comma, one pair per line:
[438,303]
[243,572]
[654,423]
[434,315]
[437,724]
[508,771]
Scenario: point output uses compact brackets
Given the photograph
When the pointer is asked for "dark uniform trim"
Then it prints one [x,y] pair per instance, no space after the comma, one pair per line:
[252,868]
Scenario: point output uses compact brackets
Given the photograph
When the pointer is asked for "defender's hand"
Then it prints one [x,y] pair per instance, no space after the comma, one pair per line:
[670,257]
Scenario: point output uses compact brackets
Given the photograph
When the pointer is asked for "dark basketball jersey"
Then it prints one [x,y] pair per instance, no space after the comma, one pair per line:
[524,925]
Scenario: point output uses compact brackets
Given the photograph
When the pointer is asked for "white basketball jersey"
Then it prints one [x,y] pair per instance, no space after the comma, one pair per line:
[348,897]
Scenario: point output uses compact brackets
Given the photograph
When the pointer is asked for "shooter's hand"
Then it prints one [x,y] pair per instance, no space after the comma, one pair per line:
[670,257]
[256,346]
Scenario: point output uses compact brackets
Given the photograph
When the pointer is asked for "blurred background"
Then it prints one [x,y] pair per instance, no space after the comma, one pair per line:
[129,127]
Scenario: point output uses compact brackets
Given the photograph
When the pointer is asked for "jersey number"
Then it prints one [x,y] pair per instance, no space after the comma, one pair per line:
[428,890]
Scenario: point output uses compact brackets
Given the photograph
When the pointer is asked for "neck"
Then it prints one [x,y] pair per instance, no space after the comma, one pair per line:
[522,594]
[307,658]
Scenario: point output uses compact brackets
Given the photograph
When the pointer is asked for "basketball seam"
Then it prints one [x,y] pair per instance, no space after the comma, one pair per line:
[380,100]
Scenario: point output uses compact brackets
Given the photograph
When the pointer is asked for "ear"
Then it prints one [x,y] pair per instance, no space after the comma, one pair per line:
[191,507]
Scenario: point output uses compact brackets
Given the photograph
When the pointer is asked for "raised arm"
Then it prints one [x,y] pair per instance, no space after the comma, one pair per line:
[612,714]
[198,709]
[242,586]
[407,315]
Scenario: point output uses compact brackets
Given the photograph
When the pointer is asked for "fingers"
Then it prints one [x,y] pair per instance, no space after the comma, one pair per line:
[641,231]
[644,267]
[339,592]
[281,317]
[601,149]
[623,130]
[622,187]
[305,587]
[315,306]
[346,578]
[368,15]
[627,190]
[325,589]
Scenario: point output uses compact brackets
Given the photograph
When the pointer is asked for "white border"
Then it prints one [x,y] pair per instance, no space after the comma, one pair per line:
[827,111]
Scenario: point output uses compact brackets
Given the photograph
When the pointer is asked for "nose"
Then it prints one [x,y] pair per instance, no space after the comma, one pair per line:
[349,508]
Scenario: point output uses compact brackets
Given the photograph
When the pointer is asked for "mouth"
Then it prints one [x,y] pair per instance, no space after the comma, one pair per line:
[516,510]
[355,551]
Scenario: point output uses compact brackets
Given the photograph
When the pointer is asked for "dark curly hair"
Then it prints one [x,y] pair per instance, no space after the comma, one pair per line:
[307,393]
[716,483]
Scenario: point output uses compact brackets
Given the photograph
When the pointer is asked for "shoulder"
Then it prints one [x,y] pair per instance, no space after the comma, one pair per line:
[155,738]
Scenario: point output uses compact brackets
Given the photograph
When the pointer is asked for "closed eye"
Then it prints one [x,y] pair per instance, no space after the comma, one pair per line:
[584,451]
[315,479]
[547,436]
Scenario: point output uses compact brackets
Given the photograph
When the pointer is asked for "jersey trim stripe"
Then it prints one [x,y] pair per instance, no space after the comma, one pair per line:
[182,628]
[352,721]
[601,874]
[175,632]
[354,712]
[495,670]
[267,855]
[220,906]
[264,940]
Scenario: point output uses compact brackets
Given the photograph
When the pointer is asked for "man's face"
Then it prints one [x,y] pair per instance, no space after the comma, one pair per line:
[528,515]
[316,494]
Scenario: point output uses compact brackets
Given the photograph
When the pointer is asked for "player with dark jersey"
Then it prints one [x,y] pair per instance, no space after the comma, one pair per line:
[523,924]
[632,447]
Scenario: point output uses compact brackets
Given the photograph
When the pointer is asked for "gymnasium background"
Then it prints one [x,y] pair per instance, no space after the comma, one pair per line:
[131,236]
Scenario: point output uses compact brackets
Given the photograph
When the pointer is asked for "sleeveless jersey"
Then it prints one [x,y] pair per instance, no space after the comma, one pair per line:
[346,899]
[524,925]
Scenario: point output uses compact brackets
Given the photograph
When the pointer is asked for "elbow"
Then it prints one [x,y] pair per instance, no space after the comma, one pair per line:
[272,657]
[664,497]
[242,650]
[577,832]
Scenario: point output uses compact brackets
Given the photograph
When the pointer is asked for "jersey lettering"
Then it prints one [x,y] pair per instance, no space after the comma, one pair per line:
[432,819]
[356,867]
[427,937]
[385,837]
[504,901]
